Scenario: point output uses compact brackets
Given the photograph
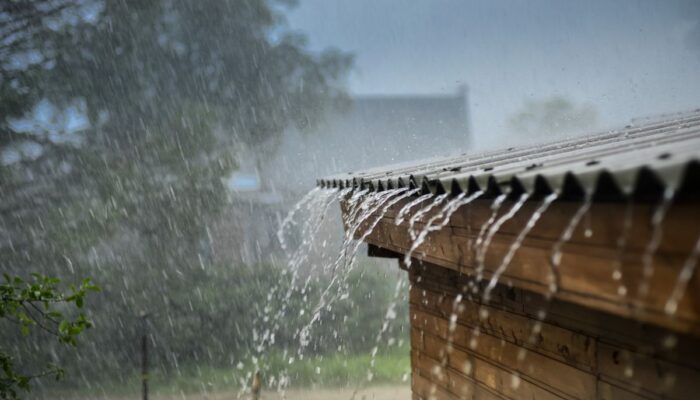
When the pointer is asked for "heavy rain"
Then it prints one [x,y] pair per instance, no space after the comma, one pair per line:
[321,199]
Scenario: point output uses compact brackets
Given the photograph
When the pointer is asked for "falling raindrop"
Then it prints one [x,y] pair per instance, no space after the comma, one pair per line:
[657,220]
[518,240]
[686,273]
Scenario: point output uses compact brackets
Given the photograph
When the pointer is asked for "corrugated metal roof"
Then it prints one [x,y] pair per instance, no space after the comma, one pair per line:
[636,161]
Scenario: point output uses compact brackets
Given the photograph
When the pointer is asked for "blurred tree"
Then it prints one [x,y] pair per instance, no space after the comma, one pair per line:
[149,99]
[551,116]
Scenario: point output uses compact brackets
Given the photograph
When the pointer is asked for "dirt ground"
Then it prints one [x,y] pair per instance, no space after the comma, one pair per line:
[372,393]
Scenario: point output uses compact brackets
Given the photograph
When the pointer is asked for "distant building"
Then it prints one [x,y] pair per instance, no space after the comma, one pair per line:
[370,131]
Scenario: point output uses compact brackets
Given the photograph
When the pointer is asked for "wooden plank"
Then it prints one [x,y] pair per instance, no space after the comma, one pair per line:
[641,373]
[561,344]
[608,391]
[558,376]
[494,378]
[428,390]
[617,331]
[508,385]
[605,221]
[586,278]
[453,381]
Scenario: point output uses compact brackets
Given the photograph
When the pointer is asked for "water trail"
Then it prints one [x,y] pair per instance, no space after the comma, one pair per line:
[423,211]
[457,308]
[354,207]
[315,204]
[434,225]
[377,201]
[309,234]
[384,210]
[493,229]
[621,247]
[289,219]
[372,225]
[555,281]
[405,209]
[684,277]
[516,244]
[554,276]
[482,247]
[349,264]
[389,316]
[495,207]
[657,220]
[567,234]
[317,207]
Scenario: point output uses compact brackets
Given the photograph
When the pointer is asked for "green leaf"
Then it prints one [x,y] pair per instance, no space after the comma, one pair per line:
[63,327]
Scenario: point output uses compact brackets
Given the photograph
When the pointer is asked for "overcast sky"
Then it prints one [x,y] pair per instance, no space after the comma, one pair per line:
[626,58]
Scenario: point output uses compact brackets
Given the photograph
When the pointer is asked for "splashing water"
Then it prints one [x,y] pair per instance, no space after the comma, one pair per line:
[433,225]
[348,265]
[316,206]
[684,277]
[289,219]
[516,244]
[389,316]
[493,229]
[495,207]
[388,205]
[370,205]
[423,211]
[567,234]
[407,208]
[359,207]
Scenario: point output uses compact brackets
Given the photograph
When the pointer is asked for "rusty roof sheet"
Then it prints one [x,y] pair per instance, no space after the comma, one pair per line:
[640,161]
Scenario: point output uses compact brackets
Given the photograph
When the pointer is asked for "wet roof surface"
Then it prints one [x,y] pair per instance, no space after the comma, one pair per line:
[639,161]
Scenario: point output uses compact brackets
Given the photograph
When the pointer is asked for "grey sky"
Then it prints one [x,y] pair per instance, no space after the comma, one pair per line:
[626,58]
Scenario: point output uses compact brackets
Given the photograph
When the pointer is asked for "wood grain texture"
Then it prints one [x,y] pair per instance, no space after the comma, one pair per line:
[583,356]
[589,261]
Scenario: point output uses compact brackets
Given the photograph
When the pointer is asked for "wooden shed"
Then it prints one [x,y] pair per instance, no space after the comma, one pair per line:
[562,271]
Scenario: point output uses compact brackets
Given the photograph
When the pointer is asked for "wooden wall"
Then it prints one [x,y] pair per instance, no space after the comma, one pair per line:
[588,261]
[577,353]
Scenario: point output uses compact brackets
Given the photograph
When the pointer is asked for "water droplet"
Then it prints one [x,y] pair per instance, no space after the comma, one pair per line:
[473,342]
[670,341]
[617,275]
[483,314]
[467,368]
[515,381]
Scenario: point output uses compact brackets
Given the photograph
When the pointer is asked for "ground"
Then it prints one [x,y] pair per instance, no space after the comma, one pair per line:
[394,392]
[386,392]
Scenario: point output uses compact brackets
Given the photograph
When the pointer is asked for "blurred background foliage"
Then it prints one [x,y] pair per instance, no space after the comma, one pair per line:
[119,121]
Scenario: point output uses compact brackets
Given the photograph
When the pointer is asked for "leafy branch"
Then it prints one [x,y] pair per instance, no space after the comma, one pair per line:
[32,304]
